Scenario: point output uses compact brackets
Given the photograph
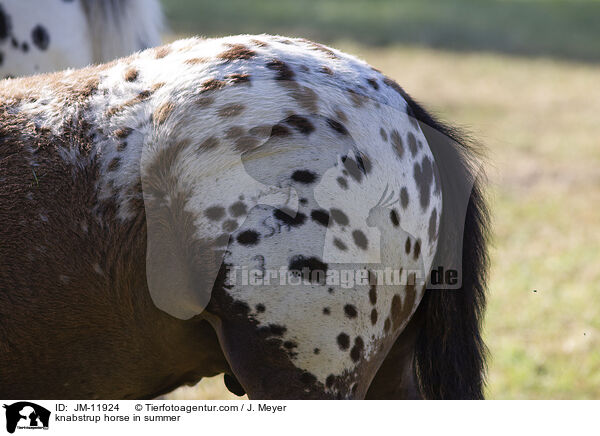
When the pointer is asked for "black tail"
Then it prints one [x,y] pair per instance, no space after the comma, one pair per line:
[450,356]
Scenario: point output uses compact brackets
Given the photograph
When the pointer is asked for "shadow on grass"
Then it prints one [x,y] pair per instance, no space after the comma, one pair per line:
[567,29]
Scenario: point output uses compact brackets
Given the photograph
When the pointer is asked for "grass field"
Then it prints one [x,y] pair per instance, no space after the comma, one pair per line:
[539,117]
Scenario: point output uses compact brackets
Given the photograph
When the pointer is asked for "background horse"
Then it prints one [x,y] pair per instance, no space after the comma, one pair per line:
[37,36]
[132,189]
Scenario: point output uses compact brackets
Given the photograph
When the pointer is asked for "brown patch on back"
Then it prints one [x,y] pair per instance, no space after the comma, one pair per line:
[162,51]
[195,61]
[306,98]
[400,312]
[237,51]
[230,110]
[131,74]
[284,72]
[356,98]
[162,113]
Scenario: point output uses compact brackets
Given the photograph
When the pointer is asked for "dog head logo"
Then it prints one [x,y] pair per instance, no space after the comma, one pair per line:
[26,415]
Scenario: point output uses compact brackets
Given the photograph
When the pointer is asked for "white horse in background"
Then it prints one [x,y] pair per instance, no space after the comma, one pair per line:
[40,36]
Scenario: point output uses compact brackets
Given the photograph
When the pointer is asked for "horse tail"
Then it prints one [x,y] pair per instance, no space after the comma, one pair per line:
[121,27]
[450,355]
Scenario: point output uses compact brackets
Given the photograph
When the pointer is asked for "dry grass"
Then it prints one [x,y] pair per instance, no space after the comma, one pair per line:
[539,119]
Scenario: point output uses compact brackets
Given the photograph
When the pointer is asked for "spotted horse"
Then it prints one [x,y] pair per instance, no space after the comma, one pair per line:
[40,36]
[264,207]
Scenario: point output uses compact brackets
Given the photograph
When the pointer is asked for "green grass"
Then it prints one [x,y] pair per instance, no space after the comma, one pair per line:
[564,29]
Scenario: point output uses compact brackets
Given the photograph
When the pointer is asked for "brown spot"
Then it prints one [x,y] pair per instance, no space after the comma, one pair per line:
[383,134]
[259,43]
[213,85]
[306,98]
[209,143]
[121,146]
[319,47]
[157,85]
[195,61]
[357,99]
[326,70]
[204,102]
[162,113]
[234,132]
[246,143]
[114,164]
[123,132]
[261,131]
[341,116]
[284,72]
[238,78]
[230,110]
[131,74]
[161,52]
[142,96]
[237,51]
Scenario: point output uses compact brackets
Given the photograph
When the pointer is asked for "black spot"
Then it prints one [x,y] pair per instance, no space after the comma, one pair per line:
[432,231]
[343,341]
[417,249]
[25,47]
[342,182]
[339,217]
[338,127]
[303,201]
[329,380]
[397,143]
[214,213]
[387,324]
[229,226]
[284,216]
[14,42]
[407,245]
[326,311]
[40,37]
[364,163]
[304,176]
[357,350]
[372,289]
[394,218]
[423,175]
[300,123]
[339,244]
[404,198]
[290,345]
[279,130]
[249,237]
[316,351]
[5,24]
[330,290]
[321,216]
[310,268]
[360,239]
[260,308]
[374,316]
[272,330]
[238,209]
[412,144]
[350,311]
[373,83]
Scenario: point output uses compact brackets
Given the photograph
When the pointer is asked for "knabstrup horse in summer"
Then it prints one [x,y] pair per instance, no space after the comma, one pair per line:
[135,195]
